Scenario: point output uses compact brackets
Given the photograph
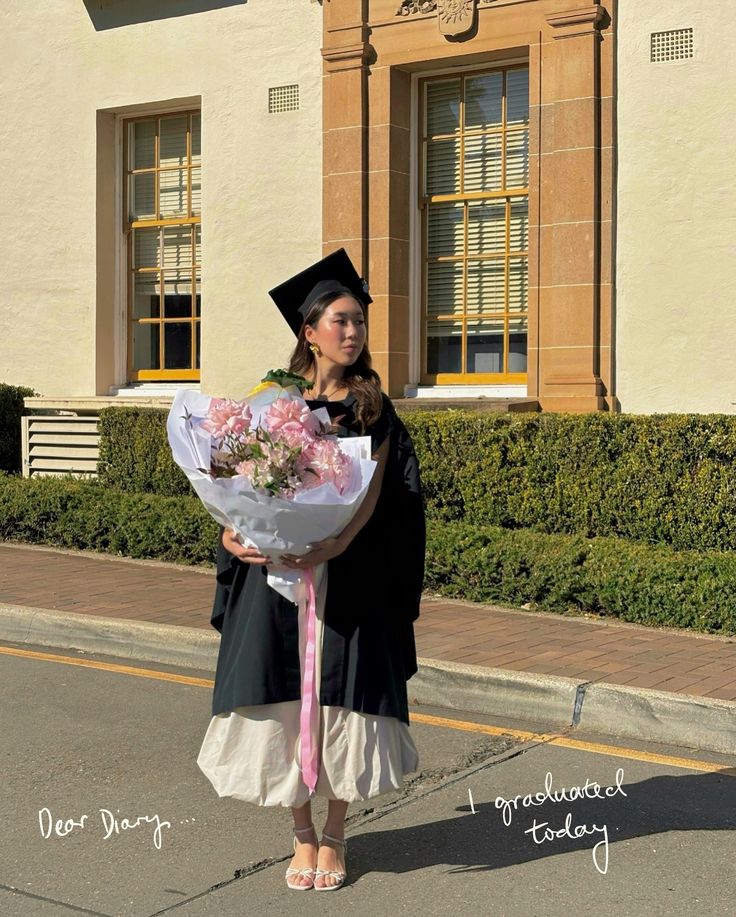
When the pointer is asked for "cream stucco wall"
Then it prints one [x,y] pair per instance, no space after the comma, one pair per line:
[66,81]
[676,221]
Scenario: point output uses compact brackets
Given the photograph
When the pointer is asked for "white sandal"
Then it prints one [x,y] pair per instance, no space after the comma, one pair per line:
[340,876]
[308,871]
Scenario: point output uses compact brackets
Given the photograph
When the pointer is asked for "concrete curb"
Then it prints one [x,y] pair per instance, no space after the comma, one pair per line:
[167,644]
[702,723]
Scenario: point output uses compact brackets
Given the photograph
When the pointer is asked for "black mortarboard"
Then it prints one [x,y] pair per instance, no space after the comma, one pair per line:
[335,273]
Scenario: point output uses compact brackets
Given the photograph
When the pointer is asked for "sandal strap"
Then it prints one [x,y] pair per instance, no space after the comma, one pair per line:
[302,830]
[304,871]
[330,872]
[337,840]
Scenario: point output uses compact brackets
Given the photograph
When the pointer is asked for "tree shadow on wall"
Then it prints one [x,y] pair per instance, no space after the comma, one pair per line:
[112,14]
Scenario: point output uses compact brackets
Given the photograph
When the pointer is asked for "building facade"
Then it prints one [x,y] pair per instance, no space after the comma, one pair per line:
[537,192]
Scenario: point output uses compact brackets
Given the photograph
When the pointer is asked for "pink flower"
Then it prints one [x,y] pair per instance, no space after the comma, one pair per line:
[290,418]
[227,418]
[330,463]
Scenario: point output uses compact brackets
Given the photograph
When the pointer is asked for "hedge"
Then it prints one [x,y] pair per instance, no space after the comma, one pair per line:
[646,584]
[660,479]
[135,454]
[11,411]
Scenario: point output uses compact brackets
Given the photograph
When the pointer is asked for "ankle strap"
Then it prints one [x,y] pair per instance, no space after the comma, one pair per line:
[302,830]
[337,840]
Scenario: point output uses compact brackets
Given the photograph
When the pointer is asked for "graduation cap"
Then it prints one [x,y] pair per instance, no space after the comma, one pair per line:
[333,274]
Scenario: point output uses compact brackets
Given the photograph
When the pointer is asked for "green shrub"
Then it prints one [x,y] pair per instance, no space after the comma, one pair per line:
[660,479]
[71,513]
[135,454]
[11,411]
[636,582]
[643,584]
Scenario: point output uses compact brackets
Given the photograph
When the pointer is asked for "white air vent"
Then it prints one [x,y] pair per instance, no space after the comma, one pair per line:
[674,45]
[60,444]
[283,98]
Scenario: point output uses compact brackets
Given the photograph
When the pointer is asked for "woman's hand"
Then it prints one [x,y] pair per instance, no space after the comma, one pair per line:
[232,543]
[321,552]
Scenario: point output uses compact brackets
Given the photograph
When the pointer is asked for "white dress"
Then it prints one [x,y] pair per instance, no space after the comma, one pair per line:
[253,753]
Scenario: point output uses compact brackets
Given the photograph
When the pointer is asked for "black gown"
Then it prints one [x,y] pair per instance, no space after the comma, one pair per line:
[373,594]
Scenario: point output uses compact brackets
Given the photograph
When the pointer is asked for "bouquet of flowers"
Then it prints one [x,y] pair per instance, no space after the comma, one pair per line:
[269,468]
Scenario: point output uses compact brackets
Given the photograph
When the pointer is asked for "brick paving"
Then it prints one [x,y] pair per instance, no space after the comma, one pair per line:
[588,650]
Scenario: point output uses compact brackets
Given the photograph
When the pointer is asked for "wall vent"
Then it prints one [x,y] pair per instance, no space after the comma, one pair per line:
[57,444]
[283,98]
[674,45]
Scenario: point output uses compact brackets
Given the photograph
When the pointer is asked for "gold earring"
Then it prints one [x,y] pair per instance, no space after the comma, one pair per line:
[315,349]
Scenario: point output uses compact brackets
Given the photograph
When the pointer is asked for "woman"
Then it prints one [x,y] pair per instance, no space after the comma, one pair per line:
[368,585]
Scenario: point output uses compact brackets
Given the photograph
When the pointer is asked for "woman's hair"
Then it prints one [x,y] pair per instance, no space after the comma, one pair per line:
[360,378]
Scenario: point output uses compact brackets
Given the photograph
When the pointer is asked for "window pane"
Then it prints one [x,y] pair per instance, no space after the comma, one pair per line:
[198,244]
[178,345]
[486,286]
[173,141]
[199,343]
[517,97]
[196,179]
[178,247]
[483,163]
[486,227]
[177,294]
[145,345]
[517,159]
[146,250]
[141,146]
[483,101]
[519,225]
[146,298]
[443,107]
[517,345]
[485,346]
[518,285]
[173,193]
[445,230]
[444,288]
[199,294]
[142,196]
[444,347]
[442,167]
[196,138]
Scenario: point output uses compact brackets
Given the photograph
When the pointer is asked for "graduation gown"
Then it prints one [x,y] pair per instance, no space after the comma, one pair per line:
[373,593]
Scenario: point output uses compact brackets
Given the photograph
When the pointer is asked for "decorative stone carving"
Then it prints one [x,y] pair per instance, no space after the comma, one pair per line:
[410,7]
[455,16]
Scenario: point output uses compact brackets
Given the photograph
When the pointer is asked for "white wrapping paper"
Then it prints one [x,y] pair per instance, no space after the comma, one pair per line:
[275,526]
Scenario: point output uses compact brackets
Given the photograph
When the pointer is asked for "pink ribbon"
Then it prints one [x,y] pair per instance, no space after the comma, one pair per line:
[309,751]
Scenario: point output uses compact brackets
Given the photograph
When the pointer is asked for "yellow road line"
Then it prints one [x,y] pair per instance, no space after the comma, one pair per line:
[615,751]
[109,667]
[597,748]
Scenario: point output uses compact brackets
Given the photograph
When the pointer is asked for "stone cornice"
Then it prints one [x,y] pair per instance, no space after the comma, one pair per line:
[583,21]
[349,58]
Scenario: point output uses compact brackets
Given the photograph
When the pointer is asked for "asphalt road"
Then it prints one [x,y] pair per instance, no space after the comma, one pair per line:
[105,812]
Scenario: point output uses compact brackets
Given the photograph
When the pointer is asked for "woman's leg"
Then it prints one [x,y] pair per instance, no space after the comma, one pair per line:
[306,842]
[332,855]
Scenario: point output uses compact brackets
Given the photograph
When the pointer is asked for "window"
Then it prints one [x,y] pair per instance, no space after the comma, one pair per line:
[474,197]
[163,163]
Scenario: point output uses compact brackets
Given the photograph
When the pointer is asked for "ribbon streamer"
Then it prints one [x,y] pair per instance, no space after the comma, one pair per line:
[307,718]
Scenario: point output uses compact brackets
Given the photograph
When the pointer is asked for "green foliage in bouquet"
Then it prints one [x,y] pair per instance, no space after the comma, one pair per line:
[284,379]
[11,411]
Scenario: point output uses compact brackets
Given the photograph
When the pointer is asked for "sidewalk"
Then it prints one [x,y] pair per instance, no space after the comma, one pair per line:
[451,636]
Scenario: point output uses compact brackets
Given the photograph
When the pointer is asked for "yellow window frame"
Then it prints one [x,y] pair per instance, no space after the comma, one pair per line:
[425,201]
